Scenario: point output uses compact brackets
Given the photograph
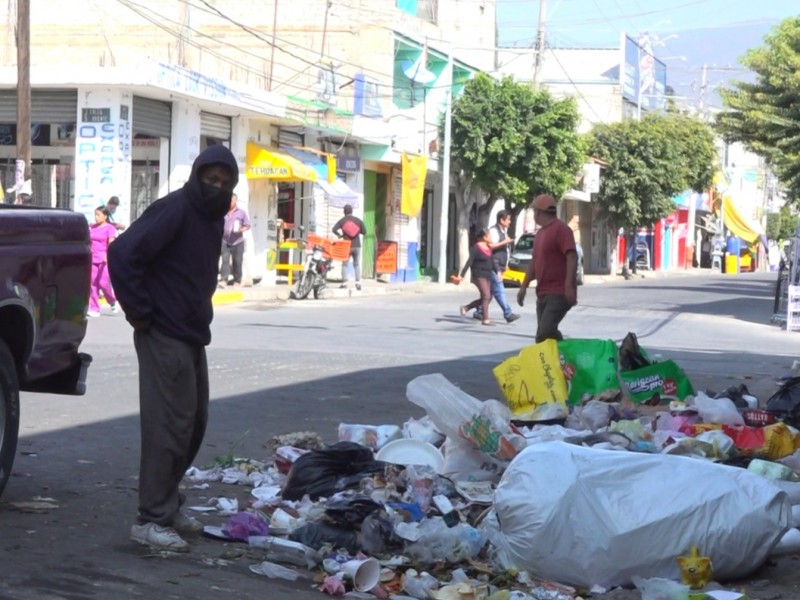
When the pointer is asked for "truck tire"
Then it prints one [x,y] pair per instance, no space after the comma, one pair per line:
[9,413]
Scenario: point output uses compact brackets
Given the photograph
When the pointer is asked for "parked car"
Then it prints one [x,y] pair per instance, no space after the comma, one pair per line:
[45,266]
[521,256]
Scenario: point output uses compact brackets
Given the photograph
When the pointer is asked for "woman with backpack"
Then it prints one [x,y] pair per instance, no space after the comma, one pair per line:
[351,228]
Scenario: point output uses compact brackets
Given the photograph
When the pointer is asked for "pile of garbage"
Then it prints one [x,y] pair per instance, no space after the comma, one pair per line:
[573,486]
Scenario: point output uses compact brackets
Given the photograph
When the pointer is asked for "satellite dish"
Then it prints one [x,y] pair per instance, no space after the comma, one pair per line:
[416,71]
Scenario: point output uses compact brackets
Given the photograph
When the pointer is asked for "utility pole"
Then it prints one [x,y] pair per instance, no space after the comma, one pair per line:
[445,201]
[23,166]
[703,85]
[540,33]
[274,41]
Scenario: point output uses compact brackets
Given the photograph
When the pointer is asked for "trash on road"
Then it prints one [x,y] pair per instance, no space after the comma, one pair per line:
[603,467]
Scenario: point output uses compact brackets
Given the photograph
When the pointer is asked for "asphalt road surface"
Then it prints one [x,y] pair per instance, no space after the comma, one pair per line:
[283,367]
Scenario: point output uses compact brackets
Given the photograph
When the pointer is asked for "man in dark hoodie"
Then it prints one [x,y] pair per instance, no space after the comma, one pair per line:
[164,272]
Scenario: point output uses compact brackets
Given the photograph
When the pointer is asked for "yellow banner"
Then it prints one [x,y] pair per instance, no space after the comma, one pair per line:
[740,225]
[414,170]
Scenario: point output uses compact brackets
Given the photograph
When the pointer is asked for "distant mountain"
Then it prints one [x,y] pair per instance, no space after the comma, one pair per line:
[719,49]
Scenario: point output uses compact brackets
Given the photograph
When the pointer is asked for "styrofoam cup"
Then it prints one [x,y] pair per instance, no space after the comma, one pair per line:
[365,574]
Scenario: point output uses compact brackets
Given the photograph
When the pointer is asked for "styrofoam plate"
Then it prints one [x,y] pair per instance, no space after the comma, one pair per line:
[408,452]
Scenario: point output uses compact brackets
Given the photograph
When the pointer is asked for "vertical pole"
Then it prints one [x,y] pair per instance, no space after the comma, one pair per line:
[703,85]
[540,33]
[272,52]
[638,82]
[24,88]
[445,202]
[324,29]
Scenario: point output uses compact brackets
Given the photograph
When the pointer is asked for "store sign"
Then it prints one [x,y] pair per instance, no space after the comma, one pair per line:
[367,99]
[346,163]
[644,77]
[386,261]
[96,115]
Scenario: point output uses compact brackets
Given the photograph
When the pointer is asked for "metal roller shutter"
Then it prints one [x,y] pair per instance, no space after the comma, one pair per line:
[152,117]
[47,106]
[289,138]
[215,126]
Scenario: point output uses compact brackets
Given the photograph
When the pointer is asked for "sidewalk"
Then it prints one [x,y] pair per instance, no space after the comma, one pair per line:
[372,287]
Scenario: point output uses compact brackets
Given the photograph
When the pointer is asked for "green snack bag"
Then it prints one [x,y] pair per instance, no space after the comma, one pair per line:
[664,378]
[590,367]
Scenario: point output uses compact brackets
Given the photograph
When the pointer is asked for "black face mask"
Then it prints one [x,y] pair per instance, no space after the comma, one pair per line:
[215,202]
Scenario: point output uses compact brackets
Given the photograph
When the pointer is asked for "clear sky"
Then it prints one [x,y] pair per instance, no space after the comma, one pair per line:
[599,22]
[693,33]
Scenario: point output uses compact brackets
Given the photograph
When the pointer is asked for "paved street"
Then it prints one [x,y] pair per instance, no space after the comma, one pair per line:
[309,365]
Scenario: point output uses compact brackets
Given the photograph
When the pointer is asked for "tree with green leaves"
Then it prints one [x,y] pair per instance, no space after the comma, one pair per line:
[510,142]
[765,115]
[788,223]
[649,163]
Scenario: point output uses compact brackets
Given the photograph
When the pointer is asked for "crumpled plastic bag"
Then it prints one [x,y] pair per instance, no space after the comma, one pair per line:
[717,410]
[330,470]
[423,430]
[632,514]
[657,588]
[275,571]
[485,425]
[786,402]
[244,524]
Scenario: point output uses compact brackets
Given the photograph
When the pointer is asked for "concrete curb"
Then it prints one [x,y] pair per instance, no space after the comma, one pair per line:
[371,287]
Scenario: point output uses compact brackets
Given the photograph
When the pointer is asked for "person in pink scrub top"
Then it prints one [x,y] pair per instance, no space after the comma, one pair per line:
[101,234]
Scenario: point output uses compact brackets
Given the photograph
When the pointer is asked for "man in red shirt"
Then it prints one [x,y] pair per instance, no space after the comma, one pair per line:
[554,267]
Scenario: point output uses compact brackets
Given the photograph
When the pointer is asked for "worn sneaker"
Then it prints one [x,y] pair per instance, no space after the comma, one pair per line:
[161,538]
[358,287]
[186,524]
[512,317]
[477,316]
[114,309]
[93,313]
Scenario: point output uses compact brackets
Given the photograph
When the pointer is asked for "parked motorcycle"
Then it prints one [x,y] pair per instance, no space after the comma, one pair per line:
[315,275]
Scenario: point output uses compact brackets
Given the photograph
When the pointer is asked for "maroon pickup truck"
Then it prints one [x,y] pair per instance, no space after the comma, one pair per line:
[45,266]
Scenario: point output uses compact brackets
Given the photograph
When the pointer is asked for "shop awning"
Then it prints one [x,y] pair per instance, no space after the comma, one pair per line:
[310,159]
[338,193]
[740,225]
[275,165]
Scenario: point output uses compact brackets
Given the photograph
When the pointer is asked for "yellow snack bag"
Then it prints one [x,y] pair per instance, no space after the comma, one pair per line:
[532,378]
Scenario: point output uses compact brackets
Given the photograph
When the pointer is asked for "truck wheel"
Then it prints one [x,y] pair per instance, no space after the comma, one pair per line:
[9,413]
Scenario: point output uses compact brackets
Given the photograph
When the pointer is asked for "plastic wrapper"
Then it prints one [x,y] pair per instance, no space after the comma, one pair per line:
[423,430]
[438,542]
[583,516]
[373,437]
[532,378]
[589,366]
[245,524]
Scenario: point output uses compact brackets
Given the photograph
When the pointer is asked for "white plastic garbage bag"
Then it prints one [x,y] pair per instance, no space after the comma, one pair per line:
[485,425]
[583,516]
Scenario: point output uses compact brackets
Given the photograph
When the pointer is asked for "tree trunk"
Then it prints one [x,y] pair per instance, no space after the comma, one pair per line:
[467,196]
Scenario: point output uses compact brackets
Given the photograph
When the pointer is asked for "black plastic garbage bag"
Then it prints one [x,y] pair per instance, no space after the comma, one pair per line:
[785,403]
[631,355]
[736,394]
[330,470]
[317,535]
[350,511]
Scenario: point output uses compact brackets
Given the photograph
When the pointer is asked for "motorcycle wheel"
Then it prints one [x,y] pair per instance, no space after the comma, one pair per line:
[304,286]
[319,289]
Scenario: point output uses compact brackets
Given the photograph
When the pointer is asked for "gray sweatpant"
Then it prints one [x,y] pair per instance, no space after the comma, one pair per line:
[173,406]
